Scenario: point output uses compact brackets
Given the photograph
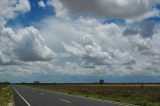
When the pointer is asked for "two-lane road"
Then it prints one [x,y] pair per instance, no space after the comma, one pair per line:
[25,96]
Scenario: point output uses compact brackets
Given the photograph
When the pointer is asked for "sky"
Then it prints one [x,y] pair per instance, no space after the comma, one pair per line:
[80,40]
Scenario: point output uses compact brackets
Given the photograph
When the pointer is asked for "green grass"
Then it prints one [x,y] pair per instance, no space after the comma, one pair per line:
[5,95]
[137,95]
[142,101]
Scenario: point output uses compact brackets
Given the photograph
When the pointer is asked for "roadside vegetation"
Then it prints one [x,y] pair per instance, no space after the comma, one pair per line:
[137,94]
[5,94]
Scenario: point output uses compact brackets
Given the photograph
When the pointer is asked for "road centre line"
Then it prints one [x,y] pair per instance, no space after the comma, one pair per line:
[65,101]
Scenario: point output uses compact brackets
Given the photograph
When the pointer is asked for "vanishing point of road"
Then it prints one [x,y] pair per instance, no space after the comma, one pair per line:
[25,96]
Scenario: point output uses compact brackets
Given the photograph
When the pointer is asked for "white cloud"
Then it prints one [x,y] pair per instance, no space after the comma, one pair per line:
[83,46]
[24,45]
[23,6]
[9,8]
[88,46]
[41,3]
[125,9]
[145,29]
[61,11]
[148,14]
[32,46]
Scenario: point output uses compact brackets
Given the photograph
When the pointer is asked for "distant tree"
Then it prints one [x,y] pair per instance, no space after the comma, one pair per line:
[6,82]
[23,83]
[94,82]
[101,82]
[36,82]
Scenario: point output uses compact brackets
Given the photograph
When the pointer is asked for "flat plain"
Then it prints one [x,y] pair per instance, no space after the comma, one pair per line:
[5,94]
[137,94]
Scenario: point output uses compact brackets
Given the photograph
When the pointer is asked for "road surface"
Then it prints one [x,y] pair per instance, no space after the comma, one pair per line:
[25,96]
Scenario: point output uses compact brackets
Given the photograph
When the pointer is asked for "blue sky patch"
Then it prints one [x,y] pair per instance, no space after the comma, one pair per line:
[116,21]
[154,19]
[157,6]
[36,14]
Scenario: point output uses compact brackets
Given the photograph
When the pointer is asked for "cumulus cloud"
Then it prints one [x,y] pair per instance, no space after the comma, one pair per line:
[24,45]
[145,29]
[11,7]
[83,46]
[23,6]
[32,47]
[127,9]
[41,3]
[91,53]
[94,48]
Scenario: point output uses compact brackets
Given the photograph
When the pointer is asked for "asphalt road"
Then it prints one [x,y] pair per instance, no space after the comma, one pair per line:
[25,96]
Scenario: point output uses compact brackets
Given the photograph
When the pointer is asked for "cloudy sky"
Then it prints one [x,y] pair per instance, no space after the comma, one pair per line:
[80,40]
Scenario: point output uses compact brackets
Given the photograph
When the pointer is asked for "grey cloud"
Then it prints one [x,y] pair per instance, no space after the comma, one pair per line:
[91,66]
[12,7]
[85,46]
[96,49]
[91,54]
[131,31]
[32,47]
[23,45]
[105,8]
[145,50]
[130,63]
[99,48]
[145,29]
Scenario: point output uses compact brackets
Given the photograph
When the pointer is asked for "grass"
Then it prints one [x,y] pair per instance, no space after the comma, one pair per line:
[143,95]
[5,94]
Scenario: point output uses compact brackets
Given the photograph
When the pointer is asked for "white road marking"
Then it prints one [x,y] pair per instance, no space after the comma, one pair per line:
[65,101]
[22,97]
[42,93]
[82,97]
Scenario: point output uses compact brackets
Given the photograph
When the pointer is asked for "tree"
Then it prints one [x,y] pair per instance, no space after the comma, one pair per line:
[101,82]
[36,82]
[6,82]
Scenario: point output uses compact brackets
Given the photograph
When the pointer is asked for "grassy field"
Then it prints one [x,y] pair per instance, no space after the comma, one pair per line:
[138,94]
[5,94]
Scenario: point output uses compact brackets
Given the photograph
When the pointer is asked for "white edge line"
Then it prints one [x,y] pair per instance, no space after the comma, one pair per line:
[21,97]
[65,100]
